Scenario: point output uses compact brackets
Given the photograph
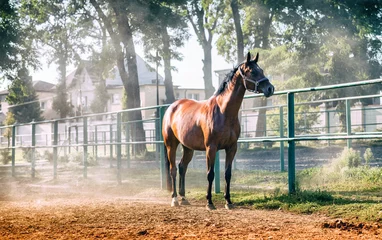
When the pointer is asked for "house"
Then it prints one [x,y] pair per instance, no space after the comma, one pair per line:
[45,92]
[81,85]
[3,105]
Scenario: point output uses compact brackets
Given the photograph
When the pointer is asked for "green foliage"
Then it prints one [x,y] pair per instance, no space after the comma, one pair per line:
[23,96]
[5,155]
[305,118]
[368,156]
[300,42]
[101,97]
[27,154]
[344,173]
[48,155]
[350,157]
[60,103]
[15,47]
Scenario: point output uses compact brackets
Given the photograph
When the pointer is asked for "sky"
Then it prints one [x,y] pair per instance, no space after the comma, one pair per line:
[189,74]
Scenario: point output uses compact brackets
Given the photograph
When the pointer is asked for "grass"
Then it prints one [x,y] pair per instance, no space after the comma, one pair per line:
[354,195]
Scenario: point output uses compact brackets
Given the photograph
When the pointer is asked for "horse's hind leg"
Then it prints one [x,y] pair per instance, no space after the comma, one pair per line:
[171,153]
[186,158]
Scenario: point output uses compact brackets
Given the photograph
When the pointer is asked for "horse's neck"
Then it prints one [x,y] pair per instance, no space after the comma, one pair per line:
[230,101]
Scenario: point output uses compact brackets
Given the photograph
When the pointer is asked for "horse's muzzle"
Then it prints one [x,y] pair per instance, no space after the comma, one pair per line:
[269,90]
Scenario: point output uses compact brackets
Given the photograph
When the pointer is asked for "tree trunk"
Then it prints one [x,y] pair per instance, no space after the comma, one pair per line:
[261,119]
[266,30]
[205,35]
[170,96]
[207,70]
[130,81]
[238,30]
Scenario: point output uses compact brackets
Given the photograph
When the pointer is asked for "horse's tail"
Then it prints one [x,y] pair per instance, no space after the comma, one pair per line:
[168,175]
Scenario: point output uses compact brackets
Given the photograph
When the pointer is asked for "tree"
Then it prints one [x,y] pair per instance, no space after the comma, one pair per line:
[164,20]
[301,41]
[15,46]
[120,29]
[59,29]
[9,27]
[203,16]
[101,97]
[22,98]
[239,32]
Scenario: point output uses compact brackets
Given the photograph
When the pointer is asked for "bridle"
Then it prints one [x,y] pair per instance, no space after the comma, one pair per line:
[256,82]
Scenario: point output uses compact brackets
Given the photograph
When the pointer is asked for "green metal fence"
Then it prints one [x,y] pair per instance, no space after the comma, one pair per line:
[92,137]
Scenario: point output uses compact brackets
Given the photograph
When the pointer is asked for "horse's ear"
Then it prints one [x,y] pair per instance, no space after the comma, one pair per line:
[248,58]
[257,57]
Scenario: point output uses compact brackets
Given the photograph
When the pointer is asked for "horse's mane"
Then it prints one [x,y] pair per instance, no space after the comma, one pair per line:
[227,79]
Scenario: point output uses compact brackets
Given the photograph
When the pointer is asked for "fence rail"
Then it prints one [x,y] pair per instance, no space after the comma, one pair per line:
[87,134]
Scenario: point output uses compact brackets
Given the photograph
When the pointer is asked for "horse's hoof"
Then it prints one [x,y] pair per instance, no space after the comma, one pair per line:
[184,202]
[210,207]
[229,206]
[174,203]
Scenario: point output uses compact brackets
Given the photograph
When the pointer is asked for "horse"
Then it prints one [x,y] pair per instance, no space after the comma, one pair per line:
[210,125]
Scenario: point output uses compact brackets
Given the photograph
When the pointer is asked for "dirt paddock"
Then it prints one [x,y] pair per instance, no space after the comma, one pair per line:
[51,211]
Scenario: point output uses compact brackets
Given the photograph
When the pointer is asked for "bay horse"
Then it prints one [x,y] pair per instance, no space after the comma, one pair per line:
[210,125]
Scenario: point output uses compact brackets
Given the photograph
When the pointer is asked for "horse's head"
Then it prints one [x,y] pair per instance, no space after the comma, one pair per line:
[253,77]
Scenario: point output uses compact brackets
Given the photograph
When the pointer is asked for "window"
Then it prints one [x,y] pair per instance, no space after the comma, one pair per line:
[1,109]
[84,101]
[194,96]
[115,99]
[42,106]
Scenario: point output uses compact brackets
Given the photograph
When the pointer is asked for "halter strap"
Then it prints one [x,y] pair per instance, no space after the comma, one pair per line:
[252,81]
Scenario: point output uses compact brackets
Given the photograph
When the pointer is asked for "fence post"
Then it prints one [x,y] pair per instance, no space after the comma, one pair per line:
[85,146]
[163,175]
[291,146]
[111,144]
[282,168]
[76,138]
[348,122]
[119,147]
[128,144]
[327,115]
[33,149]
[69,138]
[13,149]
[96,142]
[55,143]
[217,172]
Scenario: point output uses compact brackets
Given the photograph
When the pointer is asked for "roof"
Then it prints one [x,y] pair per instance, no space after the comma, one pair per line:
[89,67]
[146,74]
[42,86]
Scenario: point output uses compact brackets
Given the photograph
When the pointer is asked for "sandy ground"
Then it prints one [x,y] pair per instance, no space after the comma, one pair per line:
[52,211]
[76,208]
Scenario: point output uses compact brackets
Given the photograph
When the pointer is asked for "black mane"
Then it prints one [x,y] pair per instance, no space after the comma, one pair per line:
[227,79]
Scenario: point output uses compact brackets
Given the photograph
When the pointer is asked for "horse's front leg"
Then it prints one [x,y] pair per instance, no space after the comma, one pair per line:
[171,152]
[211,153]
[230,154]
[183,165]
